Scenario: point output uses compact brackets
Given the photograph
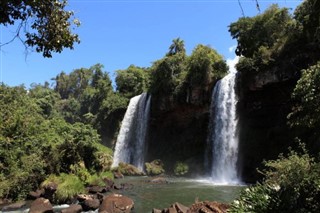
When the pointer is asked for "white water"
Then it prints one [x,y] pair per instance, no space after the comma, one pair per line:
[130,145]
[223,137]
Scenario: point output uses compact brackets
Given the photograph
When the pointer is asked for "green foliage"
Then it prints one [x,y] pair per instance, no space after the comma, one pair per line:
[167,74]
[177,46]
[128,169]
[205,64]
[181,168]
[132,81]
[69,185]
[155,167]
[307,15]
[175,74]
[35,144]
[306,112]
[291,185]
[47,24]
[264,30]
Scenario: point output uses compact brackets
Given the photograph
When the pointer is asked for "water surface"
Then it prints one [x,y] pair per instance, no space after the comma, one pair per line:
[147,195]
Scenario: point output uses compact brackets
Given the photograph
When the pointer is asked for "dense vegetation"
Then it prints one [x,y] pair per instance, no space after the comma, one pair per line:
[56,133]
[287,46]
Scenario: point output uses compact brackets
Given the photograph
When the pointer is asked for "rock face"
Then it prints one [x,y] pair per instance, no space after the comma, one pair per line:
[179,133]
[264,103]
[116,203]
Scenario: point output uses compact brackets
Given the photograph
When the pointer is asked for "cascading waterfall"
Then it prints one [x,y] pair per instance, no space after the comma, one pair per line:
[130,145]
[223,137]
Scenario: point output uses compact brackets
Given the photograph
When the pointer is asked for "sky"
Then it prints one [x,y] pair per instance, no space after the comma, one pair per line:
[119,33]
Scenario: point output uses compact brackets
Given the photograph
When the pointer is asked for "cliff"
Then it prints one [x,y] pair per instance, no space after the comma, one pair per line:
[264,103]
[178,131]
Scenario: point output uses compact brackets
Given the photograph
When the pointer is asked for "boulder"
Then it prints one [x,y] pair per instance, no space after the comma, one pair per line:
[49,190]
[208,207]
[109,183]
[116,203]
[118,175]
[35,194]
[123,186]
[174,208]
[83,197]
[180,208]
[97,189]
[73,208]
[41,205]
[156,211]
[159,180]
[14,206]
[90,204]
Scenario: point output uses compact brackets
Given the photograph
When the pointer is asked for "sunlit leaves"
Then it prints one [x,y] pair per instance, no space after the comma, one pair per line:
[306,112]
[47,25]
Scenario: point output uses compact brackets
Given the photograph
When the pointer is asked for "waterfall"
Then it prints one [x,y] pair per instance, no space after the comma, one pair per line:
[223,137]
[130,145]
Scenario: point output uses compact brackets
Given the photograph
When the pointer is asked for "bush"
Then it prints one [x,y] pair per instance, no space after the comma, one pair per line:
[128,169]
[291,184]
[69,186]
[154,168]
[181,168]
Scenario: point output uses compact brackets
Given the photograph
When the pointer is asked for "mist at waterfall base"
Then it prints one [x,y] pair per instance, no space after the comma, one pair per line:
[130,145]
[222,143]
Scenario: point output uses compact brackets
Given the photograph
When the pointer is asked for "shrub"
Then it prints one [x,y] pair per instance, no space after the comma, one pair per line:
[181,168]
[154,168]
[291,184]
[69,185]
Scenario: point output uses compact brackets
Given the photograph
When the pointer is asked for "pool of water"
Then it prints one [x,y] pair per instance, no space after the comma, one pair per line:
[148,195]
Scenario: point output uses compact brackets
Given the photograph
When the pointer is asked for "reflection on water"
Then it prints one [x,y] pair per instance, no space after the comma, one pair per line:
[147,195]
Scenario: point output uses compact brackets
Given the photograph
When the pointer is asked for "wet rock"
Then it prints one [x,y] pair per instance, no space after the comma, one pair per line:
[116,203]
[49,190]
[180,208]
[14,206]
[73,208]
[159,180]
[174,208]
[83,197]
[90,204]
[97,189]
[41,205]
[208,207]
[109,183]
[123,186]
[35,194]
[118,175]
[156,211]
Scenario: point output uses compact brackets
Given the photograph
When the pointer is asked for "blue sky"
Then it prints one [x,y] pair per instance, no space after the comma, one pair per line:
[120,33]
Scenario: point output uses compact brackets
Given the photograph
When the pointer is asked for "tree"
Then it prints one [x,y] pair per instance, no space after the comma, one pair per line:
[306,112]
[177,46]
[205,64]
[132,81]
[47,24]
[265,30]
